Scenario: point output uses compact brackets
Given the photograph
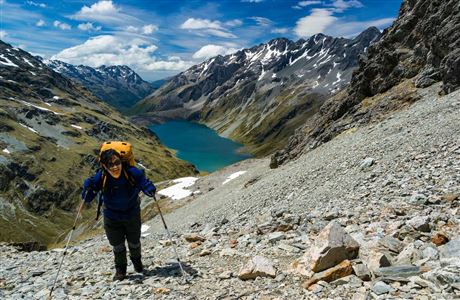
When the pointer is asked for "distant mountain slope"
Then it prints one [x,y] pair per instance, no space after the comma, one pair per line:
[422,47]
[258,96]
[50,128]
[119,86]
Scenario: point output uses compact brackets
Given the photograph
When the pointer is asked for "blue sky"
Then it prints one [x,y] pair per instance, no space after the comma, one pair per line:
[160,38]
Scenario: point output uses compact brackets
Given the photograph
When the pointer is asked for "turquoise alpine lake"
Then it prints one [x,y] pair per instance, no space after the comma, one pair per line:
[199,145]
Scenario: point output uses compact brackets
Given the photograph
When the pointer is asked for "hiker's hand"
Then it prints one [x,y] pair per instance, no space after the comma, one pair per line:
[87,205]
[88,192]
[150,191]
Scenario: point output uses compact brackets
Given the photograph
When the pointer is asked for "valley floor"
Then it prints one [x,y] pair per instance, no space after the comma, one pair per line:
[393,186]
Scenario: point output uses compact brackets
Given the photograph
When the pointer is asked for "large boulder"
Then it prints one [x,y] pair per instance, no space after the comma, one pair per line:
[341,270]
[258,266]
[332,246]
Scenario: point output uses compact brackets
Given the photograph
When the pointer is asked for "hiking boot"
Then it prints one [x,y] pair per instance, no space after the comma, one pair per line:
[120,274]
[137,263]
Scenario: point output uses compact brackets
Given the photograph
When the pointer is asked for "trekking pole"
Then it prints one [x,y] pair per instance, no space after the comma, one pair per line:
[184,274]
[65,249]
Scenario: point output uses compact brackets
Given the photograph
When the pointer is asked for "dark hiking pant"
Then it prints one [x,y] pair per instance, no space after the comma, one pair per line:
[119,231]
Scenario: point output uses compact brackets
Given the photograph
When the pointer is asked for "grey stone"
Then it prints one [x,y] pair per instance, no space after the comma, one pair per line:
[381,287]
[366,163]
[392,244]
[451,249]
[418,199]
[430,253]
[362,272]
[398,271]
[376,259]
[276,236]
[288,248]
[420,223]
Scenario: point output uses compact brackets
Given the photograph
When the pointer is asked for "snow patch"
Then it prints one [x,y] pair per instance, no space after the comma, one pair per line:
[30,128]
[39,107]
[338,79]
[76,126]
[27,62]
[6,151]
[262,74]
[56,97]
[179,191]
[233,176]
[7,62]
[144,228]
[142,166]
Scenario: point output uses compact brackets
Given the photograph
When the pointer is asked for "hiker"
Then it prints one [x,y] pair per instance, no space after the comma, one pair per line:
[120,184]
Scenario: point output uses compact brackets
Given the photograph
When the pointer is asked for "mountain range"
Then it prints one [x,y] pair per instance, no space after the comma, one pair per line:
[119,86]
[260,95]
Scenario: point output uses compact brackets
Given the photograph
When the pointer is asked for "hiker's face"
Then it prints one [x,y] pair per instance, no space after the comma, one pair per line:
[114,167]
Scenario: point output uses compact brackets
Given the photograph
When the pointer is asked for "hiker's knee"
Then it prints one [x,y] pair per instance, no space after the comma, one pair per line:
[119,248]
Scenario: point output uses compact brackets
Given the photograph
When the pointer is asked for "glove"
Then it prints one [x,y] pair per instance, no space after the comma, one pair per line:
[150,190]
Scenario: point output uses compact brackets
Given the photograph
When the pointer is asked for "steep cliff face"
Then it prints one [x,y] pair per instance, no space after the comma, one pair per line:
[119,86]
[258,96]
[421,48]
[50,130]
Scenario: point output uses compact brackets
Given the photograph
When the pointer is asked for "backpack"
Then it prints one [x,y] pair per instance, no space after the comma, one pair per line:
[123,148]
[127,158]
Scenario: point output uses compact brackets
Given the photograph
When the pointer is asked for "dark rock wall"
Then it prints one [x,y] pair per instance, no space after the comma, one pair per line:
[423,44]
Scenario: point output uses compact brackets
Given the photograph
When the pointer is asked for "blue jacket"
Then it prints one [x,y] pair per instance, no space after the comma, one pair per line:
[120,197]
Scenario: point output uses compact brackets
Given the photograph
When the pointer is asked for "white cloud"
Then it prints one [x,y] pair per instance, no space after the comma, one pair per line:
[205,26]
[261,21]
[88,27]
[316,22]
[3,34]
[307,3]
[322,20]
[341,5]
[34,4]
[234,23]
[280,30]
[211,50]
[349,29]
[62,26]
[252,1]
[104,12]
[193,23]
[40,23]
[113,50]
[149,29]
[146,29]
[220,33]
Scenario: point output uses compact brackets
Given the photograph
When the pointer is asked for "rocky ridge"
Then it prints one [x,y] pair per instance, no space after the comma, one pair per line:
[258,96]
[50,130]
[119,86]
[372,214]
[418,50]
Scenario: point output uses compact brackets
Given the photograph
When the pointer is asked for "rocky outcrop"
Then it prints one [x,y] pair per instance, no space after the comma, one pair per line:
[418,50]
